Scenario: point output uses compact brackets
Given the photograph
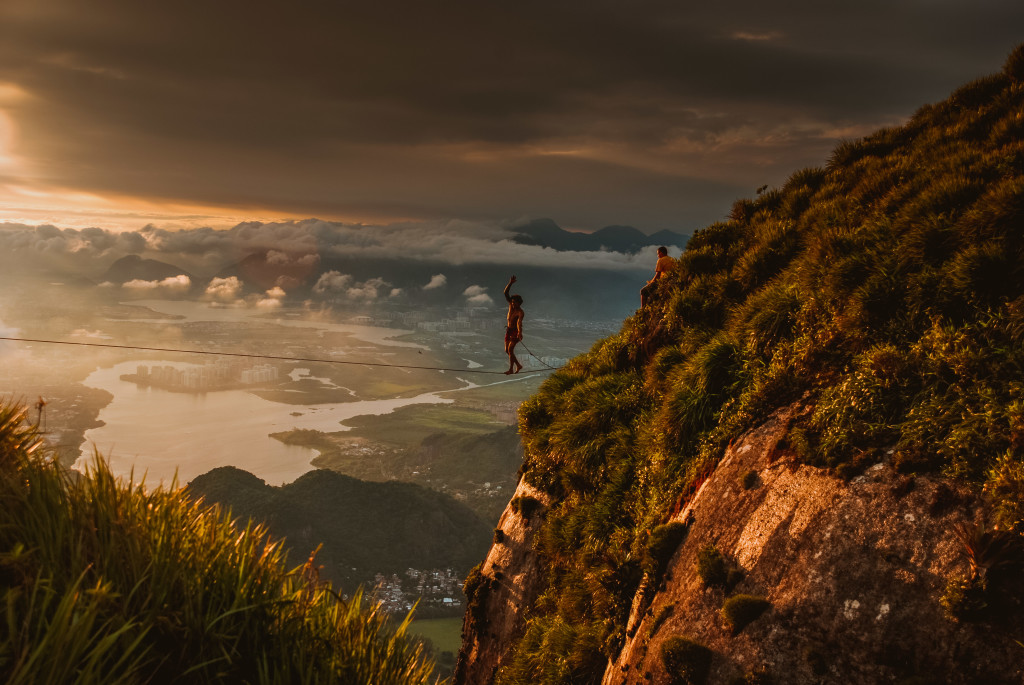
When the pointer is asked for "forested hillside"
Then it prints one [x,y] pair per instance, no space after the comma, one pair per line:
[880,297]
[365,527]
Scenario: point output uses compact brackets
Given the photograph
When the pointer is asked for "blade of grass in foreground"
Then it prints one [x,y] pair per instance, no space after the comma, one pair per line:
[128,585]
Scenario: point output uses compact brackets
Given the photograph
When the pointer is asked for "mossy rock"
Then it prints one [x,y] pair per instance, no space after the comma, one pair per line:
[739,611]
[476,587]
[749,480]
[526,506]
[687,662]
[662,544]
[715,570]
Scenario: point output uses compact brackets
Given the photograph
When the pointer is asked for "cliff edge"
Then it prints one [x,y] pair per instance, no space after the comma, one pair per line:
[501,589]
[851,573]
[803,460]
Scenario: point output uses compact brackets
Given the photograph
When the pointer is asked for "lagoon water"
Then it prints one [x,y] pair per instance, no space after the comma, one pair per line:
[157,432]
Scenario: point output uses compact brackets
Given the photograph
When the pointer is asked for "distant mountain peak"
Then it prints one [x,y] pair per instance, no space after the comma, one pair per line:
[615,238]
[134,267]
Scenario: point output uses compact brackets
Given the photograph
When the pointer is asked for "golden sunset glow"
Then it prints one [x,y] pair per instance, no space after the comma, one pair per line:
[656,119]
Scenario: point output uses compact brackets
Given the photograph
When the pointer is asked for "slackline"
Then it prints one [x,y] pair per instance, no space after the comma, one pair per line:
[271,356]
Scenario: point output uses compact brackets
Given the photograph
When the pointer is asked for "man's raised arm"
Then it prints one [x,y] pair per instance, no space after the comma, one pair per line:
[512,280]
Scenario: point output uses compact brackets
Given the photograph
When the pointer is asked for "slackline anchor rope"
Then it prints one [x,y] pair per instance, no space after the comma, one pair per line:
[271,356]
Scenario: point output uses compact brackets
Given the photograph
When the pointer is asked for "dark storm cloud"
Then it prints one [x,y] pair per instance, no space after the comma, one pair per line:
[652,113]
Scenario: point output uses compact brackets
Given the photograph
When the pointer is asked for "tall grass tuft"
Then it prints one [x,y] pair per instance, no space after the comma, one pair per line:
[130,585]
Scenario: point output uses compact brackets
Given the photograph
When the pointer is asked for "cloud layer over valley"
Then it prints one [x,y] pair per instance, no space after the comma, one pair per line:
[300,245]
[334,265]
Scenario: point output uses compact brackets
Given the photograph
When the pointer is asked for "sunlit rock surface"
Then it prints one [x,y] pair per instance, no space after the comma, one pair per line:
[513,574]
[853,570]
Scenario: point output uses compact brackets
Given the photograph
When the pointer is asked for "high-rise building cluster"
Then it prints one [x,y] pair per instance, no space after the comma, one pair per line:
[208,376]
[264,373]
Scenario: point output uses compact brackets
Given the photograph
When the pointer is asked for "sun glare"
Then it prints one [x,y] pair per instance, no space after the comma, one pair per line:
[26,203]
[6,140]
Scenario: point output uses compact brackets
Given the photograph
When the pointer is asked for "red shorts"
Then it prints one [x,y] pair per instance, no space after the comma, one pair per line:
[510,335]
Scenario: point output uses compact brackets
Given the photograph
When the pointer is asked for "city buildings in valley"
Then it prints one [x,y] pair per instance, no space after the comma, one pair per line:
[217,375]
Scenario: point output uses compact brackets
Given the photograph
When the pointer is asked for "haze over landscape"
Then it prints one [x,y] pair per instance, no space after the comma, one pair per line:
[258,252]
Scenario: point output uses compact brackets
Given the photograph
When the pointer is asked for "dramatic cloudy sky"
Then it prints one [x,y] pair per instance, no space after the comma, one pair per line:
[653,114]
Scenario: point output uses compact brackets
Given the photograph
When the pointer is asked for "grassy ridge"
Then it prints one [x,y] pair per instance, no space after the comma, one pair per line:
[885,291]
[108,582]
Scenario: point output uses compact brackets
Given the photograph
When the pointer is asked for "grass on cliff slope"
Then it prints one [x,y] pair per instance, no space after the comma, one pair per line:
[885,292]
[105,581]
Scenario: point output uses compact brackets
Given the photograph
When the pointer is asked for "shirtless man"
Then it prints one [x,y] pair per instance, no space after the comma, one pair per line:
[664,262]
[513,328]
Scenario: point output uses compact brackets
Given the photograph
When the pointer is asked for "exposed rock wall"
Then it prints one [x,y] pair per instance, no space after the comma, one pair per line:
[509,585]
[853,571]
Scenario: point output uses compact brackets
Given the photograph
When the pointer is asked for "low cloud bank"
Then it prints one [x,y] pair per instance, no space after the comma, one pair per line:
[224,289]
[174,284]
[336,285]
[298,243]
[477,294]
[436,281]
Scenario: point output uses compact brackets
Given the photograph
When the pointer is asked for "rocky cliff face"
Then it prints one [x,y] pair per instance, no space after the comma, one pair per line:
[852,571]
[830,353]
[501,590]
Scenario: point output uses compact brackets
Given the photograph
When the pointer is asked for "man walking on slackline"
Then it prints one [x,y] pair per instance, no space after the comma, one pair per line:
[513,328]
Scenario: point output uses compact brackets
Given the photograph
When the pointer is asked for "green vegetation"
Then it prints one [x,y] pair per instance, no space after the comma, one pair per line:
[660,619]
[883,291]
[585,663]
[965,599]
[748,480]
[442,638]
[525,505]
[740,610]
[686,662]
[303,392]
[715,570]
[664,541]
[105,581]
[991,590]
[456,450]
[444,633]
[712,567]
[476,588]
[415,422]
[363,527]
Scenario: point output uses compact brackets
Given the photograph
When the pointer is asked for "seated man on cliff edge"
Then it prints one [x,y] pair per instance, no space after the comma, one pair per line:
[513,328]
[664,264]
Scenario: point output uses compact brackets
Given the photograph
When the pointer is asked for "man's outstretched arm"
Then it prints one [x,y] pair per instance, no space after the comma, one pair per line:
[508,298]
